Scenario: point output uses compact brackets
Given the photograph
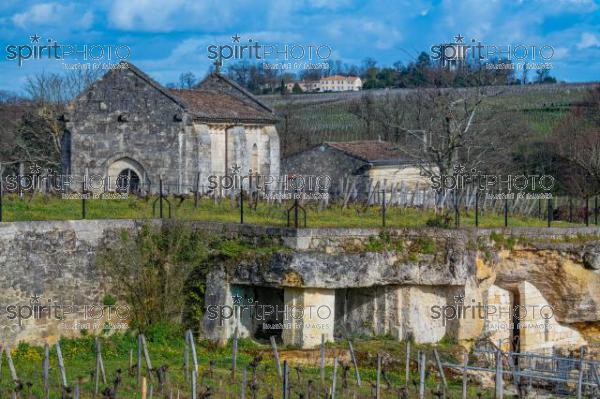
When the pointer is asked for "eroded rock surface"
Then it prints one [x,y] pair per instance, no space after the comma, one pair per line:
[321,270]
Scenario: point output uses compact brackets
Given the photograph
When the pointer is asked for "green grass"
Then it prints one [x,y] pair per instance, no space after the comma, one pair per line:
[168,349]
[42,207]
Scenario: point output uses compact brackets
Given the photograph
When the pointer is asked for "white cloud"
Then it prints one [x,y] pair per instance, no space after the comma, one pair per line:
[560,53]
[174,15]
[52,14]
[87,19]
[38,14]
[382,35]
[588,40]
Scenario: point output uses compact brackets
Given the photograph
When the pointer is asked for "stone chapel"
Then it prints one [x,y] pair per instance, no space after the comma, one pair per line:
[127,124]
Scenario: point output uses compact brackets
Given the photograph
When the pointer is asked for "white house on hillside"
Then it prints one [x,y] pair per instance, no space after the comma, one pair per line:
[340,83]
[329,83]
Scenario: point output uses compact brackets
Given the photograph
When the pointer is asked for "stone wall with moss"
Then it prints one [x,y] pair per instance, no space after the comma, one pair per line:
[56,261]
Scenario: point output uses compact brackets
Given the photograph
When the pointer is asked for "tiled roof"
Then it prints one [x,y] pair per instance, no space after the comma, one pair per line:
[221,83]
[370,150]
[216,98]
[220,106]
[338,77]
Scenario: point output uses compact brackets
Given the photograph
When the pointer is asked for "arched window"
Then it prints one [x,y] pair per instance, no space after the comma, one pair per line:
[265,168]
[254,165]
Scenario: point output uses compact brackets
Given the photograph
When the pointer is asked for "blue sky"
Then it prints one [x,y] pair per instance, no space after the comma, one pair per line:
[170,37]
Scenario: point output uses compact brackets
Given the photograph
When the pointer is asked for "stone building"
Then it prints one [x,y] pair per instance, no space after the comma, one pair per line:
[367,161]
[328,83]
[126,124]
[340,83]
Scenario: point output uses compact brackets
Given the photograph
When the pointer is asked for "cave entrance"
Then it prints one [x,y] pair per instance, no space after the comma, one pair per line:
[261,311]
[272,320]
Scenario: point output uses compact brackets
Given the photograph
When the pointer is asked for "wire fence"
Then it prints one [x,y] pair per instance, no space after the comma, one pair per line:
[347,204]
[345,369]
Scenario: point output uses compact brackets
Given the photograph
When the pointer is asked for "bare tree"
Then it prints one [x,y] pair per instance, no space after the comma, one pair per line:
[11,115]
[9,97]
[443,128]
[39,133]
[576,141]
[187,80]
[365,109]
[56,90]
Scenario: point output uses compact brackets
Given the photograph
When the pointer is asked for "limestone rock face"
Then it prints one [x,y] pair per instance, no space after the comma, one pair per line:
[381,291]
[218,293]
[564,277]
[322,270]
[393,283]
[572,289]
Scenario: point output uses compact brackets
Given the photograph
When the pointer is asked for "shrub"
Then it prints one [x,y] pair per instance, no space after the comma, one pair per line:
[149,270]
[438,221]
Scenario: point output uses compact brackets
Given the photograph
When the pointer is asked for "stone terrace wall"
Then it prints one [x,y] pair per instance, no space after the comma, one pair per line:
[51,260]
[329,240]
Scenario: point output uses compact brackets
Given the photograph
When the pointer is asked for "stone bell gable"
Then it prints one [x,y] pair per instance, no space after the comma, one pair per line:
[128,124]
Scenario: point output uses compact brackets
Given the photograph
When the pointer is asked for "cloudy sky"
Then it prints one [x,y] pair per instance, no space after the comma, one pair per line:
[170,37]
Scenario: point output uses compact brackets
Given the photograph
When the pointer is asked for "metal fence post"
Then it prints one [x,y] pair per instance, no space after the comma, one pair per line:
[285,380]
[323,358]
[580,376]
[383,209]
[275,354]
[160,189]
[476,208]
[407,366]
[139,360]
[499,381]
[464,375]
[197,192]
[334,377]
[378,378]
[505,212]
[596,210]
[422,369]
[194,385]
[83,201]
[570,210]
[243,390]
[456,210]
[241,205]
[587,208]
[1,189]
[550,211]
[353,357]
[296,204]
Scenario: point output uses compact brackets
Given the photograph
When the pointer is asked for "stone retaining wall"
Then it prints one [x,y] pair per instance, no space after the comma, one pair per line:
[52,262]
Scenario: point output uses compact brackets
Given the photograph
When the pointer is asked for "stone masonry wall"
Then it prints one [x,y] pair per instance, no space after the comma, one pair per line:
[53,260]
[314,162]
[124,116]
[50,264]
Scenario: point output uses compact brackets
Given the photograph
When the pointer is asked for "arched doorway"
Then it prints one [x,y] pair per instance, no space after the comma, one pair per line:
[126,175]
[128,181]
